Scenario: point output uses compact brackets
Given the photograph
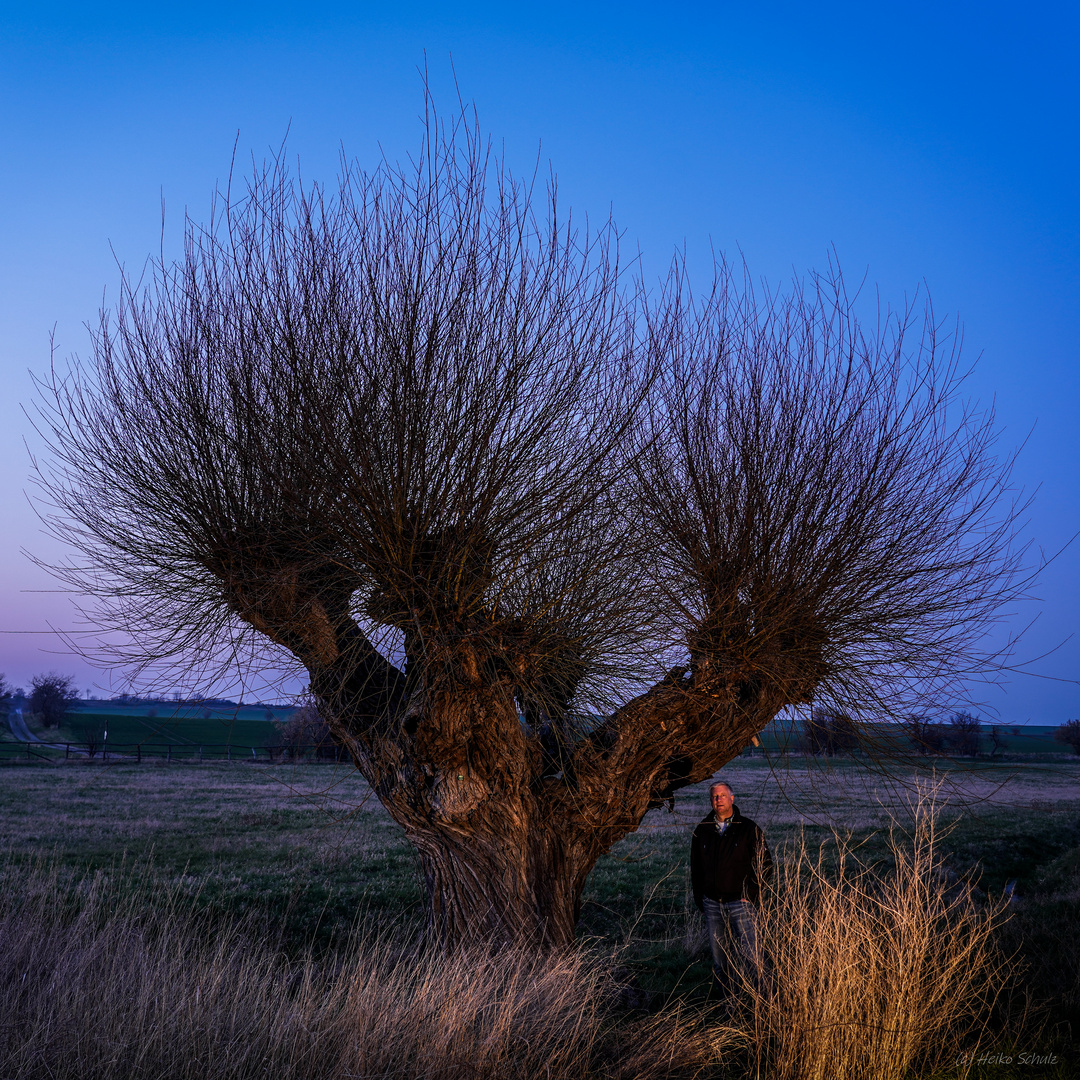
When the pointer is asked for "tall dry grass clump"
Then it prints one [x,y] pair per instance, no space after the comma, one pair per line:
[873,971]
[100,979]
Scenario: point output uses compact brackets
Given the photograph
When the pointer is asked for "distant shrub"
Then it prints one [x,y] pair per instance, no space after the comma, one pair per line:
[1069,734]
[306,733]
[90,733]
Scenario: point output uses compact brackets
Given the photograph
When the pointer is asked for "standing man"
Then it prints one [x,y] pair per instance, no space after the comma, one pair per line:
[729,858]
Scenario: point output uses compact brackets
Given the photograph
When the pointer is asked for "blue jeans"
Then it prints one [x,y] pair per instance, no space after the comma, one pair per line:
[734,942]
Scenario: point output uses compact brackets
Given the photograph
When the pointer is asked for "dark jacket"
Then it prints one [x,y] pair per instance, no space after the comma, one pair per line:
[729,865]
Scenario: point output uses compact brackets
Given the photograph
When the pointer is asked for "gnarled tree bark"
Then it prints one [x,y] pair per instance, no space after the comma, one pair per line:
[506,832]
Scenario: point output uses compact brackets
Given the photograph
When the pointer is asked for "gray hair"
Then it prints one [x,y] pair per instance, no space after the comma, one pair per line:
[721,783]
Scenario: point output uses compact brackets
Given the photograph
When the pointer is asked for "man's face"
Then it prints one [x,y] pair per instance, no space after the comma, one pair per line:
[722,801]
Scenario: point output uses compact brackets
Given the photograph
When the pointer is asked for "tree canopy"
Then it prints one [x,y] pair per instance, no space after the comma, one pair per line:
[550,544]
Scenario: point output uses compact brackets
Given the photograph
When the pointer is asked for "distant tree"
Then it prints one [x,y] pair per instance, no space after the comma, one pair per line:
[997,739]
[1069,734]
[6,696]
[964,732]
[830,732]
[815,733]
[549,544]
[926,736]
[306,731]
[51,698]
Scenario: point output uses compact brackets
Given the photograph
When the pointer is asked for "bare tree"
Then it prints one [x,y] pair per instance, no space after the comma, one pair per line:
[964,733]
[997,739]
[1069,734]
[547,549]
[305,732]
[51,698]
[830,732]
[90,732]
[926,737]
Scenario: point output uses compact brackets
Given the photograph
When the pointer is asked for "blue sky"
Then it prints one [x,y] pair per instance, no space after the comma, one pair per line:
[933,146]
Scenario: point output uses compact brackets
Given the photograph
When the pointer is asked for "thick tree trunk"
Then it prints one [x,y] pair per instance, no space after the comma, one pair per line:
[507,832]
[506,850]
[508,885]
[501,860]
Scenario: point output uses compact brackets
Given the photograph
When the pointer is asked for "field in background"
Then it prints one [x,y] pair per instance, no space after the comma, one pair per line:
[177,713]
[154,726]
[1003,740]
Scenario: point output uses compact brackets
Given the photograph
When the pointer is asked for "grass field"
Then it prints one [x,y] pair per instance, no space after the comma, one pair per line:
[179,730]
[301,852]
[177,712]
[163,730]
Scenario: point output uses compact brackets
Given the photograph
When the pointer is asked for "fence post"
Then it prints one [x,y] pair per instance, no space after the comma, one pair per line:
[168,752]
[138,754]
[228,752]
[67,747]
[200,753]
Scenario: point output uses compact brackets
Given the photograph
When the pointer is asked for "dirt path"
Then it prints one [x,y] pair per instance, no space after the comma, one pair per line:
[18,727]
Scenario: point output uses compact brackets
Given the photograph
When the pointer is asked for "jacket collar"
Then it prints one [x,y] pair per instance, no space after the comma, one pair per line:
[735,815]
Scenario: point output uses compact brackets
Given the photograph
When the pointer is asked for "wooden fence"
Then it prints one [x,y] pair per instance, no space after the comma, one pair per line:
[14,750]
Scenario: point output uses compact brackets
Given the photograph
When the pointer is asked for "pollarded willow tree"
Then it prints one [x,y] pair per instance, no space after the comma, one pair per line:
[549,548]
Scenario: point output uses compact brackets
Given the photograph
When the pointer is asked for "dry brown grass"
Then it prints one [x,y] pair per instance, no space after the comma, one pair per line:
[95,982]
[875,971]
